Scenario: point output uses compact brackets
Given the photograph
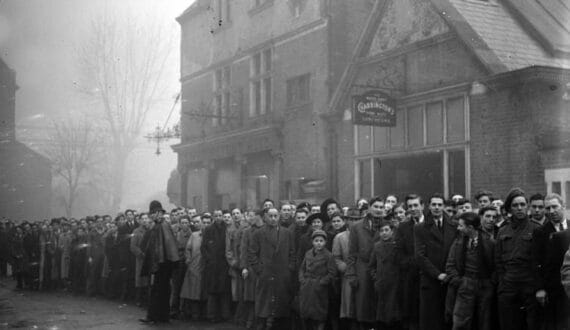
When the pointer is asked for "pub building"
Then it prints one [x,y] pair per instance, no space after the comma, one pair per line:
[455,96]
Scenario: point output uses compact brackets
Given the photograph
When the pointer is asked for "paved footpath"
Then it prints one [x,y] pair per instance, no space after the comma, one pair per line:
[59,310]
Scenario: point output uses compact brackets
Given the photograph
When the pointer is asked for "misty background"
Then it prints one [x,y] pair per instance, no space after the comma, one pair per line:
[45,43]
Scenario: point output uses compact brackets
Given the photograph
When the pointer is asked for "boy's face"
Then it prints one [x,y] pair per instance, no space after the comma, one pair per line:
[318,243]
[317,224]
[385,233]
[337,222]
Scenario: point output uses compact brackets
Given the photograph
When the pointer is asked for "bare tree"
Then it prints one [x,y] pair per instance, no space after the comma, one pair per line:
[123,63]
[73,150]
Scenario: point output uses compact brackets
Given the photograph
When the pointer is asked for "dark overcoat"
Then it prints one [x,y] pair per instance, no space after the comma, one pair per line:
[271,256]
[432,248]
[540,239]
[558,303]
[385,267]
[249,282]
[410,277]
[317,271]
[362,237]
[216,268]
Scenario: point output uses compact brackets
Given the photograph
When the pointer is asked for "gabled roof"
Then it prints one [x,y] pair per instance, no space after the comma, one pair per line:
[505,33]
[195,8]
[547,20]
[502,36]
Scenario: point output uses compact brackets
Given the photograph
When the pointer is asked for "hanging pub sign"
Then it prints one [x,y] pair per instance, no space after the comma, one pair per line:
[374,108]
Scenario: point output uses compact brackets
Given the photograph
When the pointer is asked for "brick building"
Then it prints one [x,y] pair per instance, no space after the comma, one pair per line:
[25,176]
[256,78]
[481,93]
[480,88]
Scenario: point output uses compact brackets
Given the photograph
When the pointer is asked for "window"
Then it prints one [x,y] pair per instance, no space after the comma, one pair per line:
[557,182]
[222,96]
[423,153]
[223,12]
[299,90]
[261,83]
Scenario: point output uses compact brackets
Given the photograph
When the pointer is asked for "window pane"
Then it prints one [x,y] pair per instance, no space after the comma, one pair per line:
[457,172]
[267,89]
[455,112]
[218,80]
[557,187]
[257,93]
[363,140]
[415,126]
[397,132]
[256,64]
[434,117]
[291,92]
[267,60]
[304,87]
[217,110]
[227,76]
[226,107]
[365,179]
[380,138]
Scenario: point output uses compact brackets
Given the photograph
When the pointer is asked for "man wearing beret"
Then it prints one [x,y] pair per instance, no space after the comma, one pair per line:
[516,268]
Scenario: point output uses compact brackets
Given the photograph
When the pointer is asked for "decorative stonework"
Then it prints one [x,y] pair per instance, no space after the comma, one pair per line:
[405,22]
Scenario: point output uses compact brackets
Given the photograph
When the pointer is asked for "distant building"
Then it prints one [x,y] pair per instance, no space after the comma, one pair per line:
[479,87]
[257,77]
[25,176]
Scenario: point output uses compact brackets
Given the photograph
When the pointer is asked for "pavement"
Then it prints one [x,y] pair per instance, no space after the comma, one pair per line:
[60,310]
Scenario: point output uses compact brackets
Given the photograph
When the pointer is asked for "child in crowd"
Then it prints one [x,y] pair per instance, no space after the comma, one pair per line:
[316,273]
[384,269]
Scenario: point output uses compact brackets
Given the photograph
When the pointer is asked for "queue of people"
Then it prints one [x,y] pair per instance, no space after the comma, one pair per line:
[380,264]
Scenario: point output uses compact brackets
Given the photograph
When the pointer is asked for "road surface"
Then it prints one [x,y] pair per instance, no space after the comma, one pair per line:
[60,310]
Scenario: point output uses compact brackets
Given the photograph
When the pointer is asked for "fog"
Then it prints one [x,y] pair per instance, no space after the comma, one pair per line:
[42,40]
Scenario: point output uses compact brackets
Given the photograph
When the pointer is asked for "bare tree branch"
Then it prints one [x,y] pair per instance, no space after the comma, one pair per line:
[124,61]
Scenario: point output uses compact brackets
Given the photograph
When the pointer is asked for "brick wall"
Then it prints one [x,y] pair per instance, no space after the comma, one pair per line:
[506,125]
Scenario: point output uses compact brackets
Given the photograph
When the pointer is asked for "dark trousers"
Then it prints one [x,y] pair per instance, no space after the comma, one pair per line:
[197,309]
[126,279]
[518,308]
[218,306]
[273,324]
[177,280]
[112,285]
[432,305]
[159,302]
[3,268]
[386,326]
[473,302]
[557,312]
[94,280]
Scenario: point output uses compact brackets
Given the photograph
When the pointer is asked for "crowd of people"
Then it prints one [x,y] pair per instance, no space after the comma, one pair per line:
[379,264]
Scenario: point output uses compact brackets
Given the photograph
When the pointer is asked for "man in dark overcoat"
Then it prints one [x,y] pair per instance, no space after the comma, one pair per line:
[551,293]
[409,281]
[363,234]
[126,258]
[160,256]
[433,239]
[216,270]
[271,256]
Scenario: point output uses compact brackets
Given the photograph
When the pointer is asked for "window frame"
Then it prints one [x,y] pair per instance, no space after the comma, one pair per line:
[395,152]
[222,95]
[293,87]
[261,79]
